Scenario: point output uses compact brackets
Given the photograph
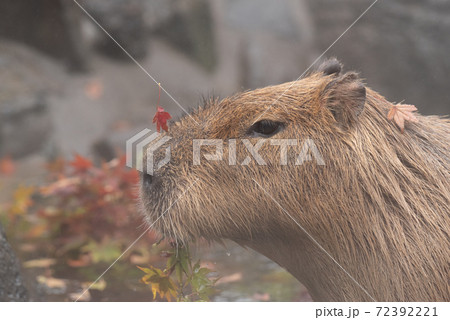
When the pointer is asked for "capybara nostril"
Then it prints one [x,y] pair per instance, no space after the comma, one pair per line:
[146,180]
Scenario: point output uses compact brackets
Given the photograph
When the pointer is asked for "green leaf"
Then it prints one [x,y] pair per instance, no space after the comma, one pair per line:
[168,283]
[146,270]
[203,272]
[184,261]
[179,272]
[196,267]
[172,261]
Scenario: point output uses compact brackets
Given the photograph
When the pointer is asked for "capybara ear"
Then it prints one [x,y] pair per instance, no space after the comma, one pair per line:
[330,66]
[345,97]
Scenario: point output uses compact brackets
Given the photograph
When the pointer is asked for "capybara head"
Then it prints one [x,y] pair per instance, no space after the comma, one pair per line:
[305,168]
[221,198]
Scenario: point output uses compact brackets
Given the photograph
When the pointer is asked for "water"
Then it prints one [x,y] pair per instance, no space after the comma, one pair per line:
[249,276]
[244,275]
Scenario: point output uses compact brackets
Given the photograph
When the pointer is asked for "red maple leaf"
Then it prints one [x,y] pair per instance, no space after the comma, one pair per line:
[160,119]
[401,113]
[81,164]
[161,116]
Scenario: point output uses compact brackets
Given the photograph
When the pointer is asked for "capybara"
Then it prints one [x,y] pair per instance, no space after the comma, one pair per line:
[353,207]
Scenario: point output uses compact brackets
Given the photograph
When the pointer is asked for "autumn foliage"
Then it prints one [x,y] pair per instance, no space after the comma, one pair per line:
[83,218]
[82,206]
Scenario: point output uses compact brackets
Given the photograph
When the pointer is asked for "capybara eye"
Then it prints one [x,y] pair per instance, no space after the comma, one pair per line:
[265,128]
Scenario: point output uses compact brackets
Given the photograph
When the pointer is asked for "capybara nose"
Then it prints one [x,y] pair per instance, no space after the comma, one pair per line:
[146,180]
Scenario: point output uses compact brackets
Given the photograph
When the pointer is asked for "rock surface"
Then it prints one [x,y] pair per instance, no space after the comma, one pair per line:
[51,26]
[26,79]
[11,284]
[124,21]
[400,47]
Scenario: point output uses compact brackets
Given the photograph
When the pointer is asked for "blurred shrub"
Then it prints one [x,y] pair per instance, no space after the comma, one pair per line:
[86,216]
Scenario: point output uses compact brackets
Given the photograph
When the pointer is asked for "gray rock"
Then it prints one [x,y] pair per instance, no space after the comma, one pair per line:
[52,26]
[124,21]
[275,39]
[262,16]
[11,284]
[401,47]
[25,122]
[25,126]
[158,12]
[190,29]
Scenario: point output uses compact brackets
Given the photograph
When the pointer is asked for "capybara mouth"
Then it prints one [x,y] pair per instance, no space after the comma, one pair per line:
[160,199]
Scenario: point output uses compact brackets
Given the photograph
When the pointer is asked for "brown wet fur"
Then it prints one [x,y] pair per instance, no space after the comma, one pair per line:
[380,206]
